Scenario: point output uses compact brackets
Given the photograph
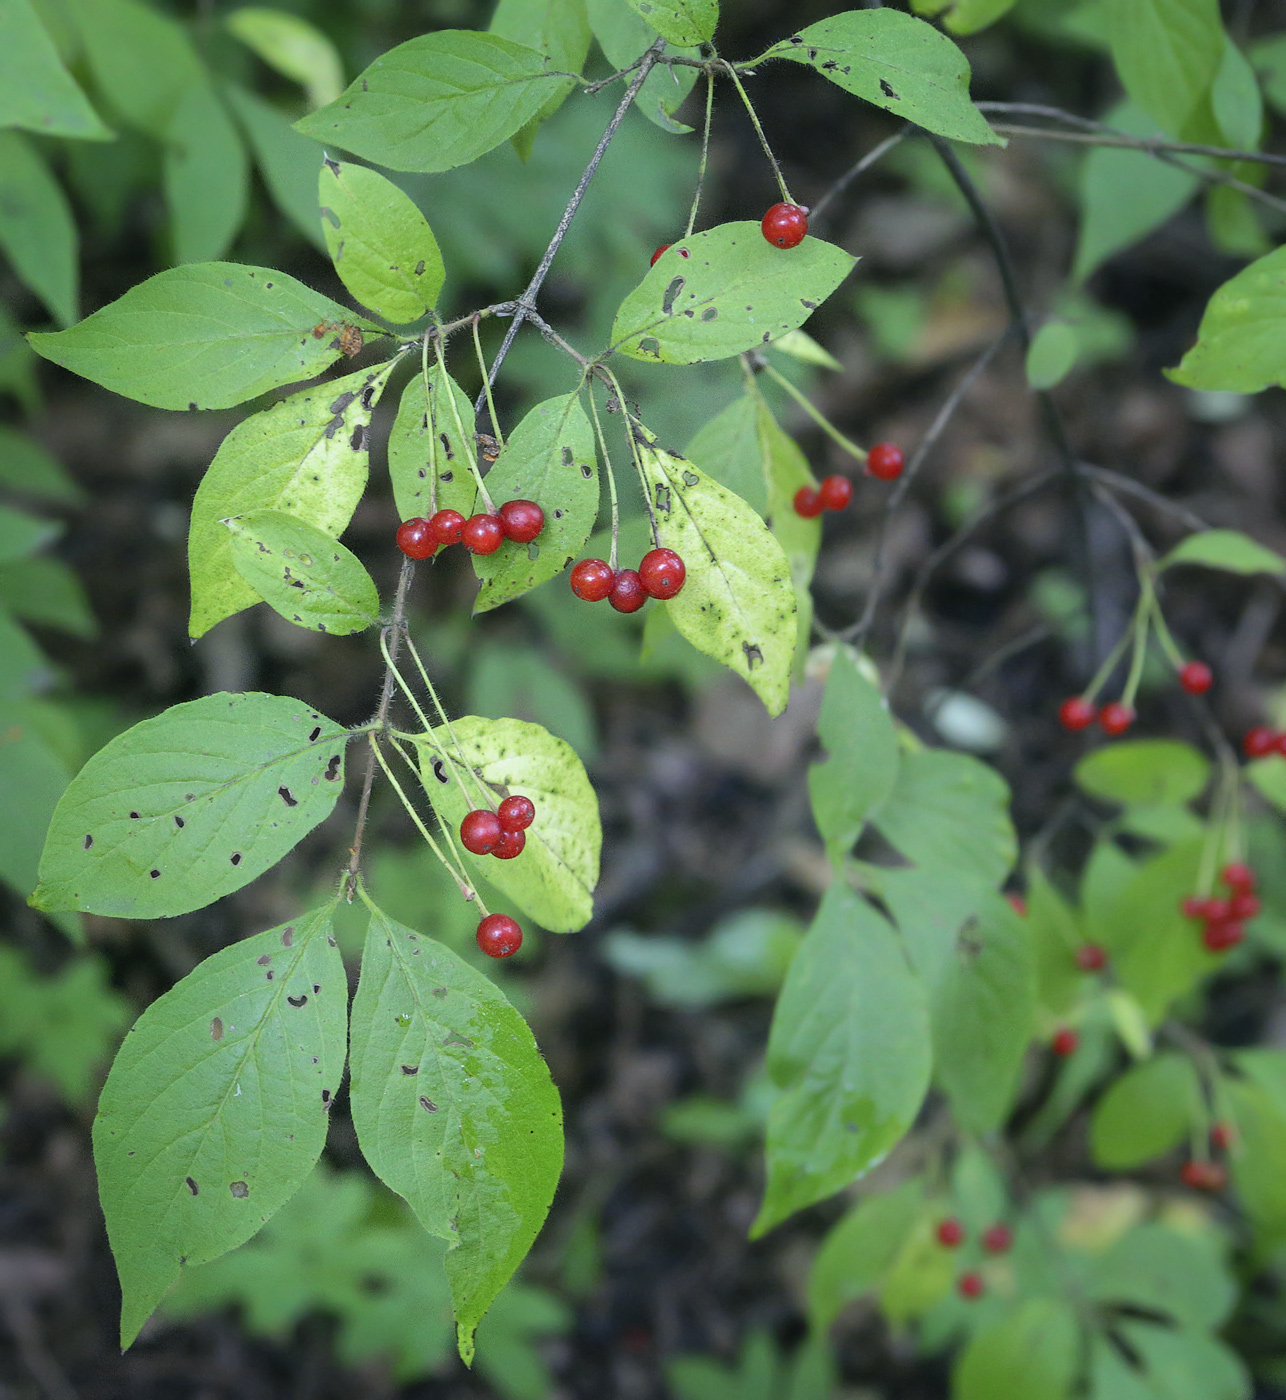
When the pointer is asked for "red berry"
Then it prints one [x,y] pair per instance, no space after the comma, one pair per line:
[658,253]
[1090,957]
[1258,741]
[1018,904]
[1238,876]
[662,572]
[483,534]
[1220,938]
[1243,905]
[1196,677]
[997,1239]
[1064,1042]
[808,502]
[445,526]
[516,813]
[1216,911]
[1204,1176]
[510,844]
[950,1233]
[1192,906]
[522,521]
[1115,718]
[835,492]
[499,936]
[479,832]
[885,461]
[785,225]
[1077,713]
[628,594]
[415,539]
[1221,1136]
[971,1285]
[592,580]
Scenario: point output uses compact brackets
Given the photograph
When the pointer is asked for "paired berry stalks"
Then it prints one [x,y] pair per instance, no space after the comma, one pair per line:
[1079,711]
[1260,741]
[1223,921]
[884,461]
[519,521]
[1202,1174]
[660,574]
[502,833]
[995,1239]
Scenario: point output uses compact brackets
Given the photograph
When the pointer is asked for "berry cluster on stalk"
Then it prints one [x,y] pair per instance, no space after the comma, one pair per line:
[502,833]
[1223,921]
[660,574]
[484,533]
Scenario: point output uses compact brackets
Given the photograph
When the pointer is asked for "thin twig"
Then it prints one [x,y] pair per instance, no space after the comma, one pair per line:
[818,211]
[1117,482]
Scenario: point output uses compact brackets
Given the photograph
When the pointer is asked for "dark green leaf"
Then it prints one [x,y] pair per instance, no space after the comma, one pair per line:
[28,469]
[22,535]
[47,592]
[28,765]
[287,161]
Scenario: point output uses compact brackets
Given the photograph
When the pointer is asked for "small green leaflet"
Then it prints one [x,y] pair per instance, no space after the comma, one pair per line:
[738,604]
[36,91]
[897,62]
[1052,354]
[30,766]
[1145,773]
[849,1054]
[295,48]
[1032,1351]
[717,293]
[859,1251]
[381,245]
[28,468]
[206,176]
[553,879]
[217,1105]
[1167,53]
[37,227]
[190,805]
[1236,100]
[307,456]
[1225,549]
[550,459]
[209,335]
[438,101]
[299,570]
[1147,1111]
[680,21]
[425,444]
[454,1109]
[1241,345]
[22,534]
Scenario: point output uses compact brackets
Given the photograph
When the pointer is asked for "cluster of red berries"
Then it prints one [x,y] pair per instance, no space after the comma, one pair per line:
[660,574]
[1201,1174]
[520,521]
[502,833]
[1076,713]
[834,493]
[1224,920]
[1260,741]
[996,1239]
[499,936]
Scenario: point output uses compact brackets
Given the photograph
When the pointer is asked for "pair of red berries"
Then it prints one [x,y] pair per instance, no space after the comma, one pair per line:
[996,1239]
[834,493]
[1077,713]
[660,574]
[1207,1176]
[502,833]
[499,936]
[1224,920]
[520,521]
[1260,741]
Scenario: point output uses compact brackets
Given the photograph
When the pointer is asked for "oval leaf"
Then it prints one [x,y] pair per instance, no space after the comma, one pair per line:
[1032,1351]
[190,805]
[1052,354]
[36,91]
[1225,549]
[1241,345]
[1145,773]
[680,21]
[293,47]
[1167,53]
[1147,1111]
[37,227]
[426,457]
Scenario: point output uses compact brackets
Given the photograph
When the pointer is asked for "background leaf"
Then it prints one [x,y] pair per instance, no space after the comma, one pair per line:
[292,46]
[37,229]
[1031,1352]
[1145,773]
[36,91]
[1225,549]
[1167,53]
[207,176]
[1145,1112]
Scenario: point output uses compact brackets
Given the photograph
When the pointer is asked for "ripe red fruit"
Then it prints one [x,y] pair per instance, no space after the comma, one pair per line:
[628,594]
[785,225]
[658,253]
[1196,677]
[516,813]
[970,1285]
[1204,1176]
[479,831]
[1115,718]
[1243,905]
[1221,1136]
[1064,1042]
[445,526]
[808,502]
[1090,957]
[662,572]
[1216,911]
[483,533]
[997,1239]
[1220,938]
[885,461]
[415,539]
[592,580]
[950,1233]
[1076,713]
[1258,741]
[521,520]
[1193,907]
[835,492]
[1238,876]
[511,844]
[499,936]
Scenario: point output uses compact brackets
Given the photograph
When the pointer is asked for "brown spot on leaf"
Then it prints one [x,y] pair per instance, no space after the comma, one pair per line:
[427,1104]
[299,1000]
[216,1029]
[239,1189]
[192,1186]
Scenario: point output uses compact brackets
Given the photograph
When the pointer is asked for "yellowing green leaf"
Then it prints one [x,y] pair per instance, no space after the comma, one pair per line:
[427,458]
[293,47]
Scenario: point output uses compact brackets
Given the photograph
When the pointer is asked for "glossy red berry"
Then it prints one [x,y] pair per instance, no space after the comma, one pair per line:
[499,936]
[1259,740]
[483,533]
[1221,938]
[1221,1136]
[479,832]
[1090,957]
[997,1239]
[1115,718]
[628,594]
[1064,1042]
[592,580]
[446,525]
[885,461]
[808,502]
[1243,905]
[511,844]
[415,539]
[662,572]
[835,492]
[785,225]
[1238,876]
[658,253]
[1196,677]
[516,813]
[970,1285]
[1076,713]
[950,1233]
[1204,1176]
[522,521]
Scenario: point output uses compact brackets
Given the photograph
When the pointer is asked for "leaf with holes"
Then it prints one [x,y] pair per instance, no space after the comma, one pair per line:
[425,444]
[717,293]
[680,21]
[216,1107]
[302,573]
[307,455]
[190,805]
[454,1108]
[785,469]
[549,459]
[553,879]
[738,604]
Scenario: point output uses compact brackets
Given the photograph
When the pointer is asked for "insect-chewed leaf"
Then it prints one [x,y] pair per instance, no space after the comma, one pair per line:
[308,577]
[549,459]
[307,456]
[209,335]
[680,21]
[454,1108]
[553,879]
[437,101]
[216,1107]
[717,293]
[36,91]
[190,805]
[425,441]
[738,604]
[897,62]
[381,245]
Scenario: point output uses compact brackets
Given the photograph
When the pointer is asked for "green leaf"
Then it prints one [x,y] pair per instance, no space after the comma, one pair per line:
[1237,102]
[206,176]
[22,534]
[1241,345]
[1269,777]
[680,21]
[859,1251]
[553,879]
[1145,773]
[301,572]
[47,592]
[508,680]
[1225,549]
[785,469]
[295,48]
[28,766]
[1055,937]
[1052,354]
[28,469]
[897,62]
[307,456]
[210,335]
[1167,53]
[36,91]
[424,447]
[965,16]
[727,448]
[217,1105]
[190,805]
[1185,1365]
[559,29]
[1259,1164]
[23,668]
[1162,1270]
[549,458]
[860,767]
[380,243]
[1268,56]
[738,603]
[37,228]
[801,346]
[930,908]
[1031,1351]
[849,1054]
[624,37]
[287,161]
[717,293]
[454,1109]
[437,101]
[1146,1112]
